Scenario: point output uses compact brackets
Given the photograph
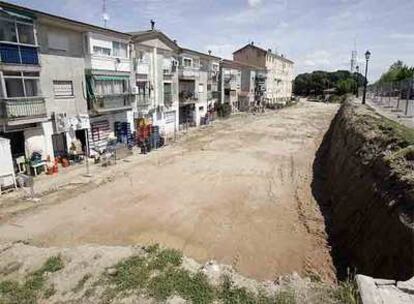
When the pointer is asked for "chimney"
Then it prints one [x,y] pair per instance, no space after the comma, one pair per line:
[281,55]
[152,24]
[175,41]
[209,52]
[252,43]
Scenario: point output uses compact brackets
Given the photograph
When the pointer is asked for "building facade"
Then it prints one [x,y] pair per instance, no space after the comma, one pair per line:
[155,60]
[197,85]
[279,72]
[23,112]
[108,85]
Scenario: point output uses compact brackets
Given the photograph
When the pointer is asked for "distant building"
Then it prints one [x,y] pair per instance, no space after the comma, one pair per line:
[279,71]
[198,85]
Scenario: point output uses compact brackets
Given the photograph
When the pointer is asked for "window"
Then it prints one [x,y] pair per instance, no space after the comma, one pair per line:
[14,87]
[215,67]
[21,84]
[63,88]
[110,87]
[30,86]
[7,31]
[201,88]
[120,49]
[56,41]
[187,62]
[26,34]
[97,50]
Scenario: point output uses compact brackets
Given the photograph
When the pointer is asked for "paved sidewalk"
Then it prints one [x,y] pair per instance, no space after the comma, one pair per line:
[388,107]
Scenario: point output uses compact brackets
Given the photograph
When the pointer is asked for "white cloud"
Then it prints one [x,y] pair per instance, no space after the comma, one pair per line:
[402,36]
[254,3]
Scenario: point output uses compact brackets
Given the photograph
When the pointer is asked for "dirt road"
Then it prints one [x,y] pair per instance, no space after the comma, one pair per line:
[238,192]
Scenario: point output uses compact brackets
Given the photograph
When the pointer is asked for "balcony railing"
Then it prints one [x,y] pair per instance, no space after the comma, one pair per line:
[22,108]
[143,100]
[10,53]
[168,98]
[187,97]
[188,72]
[114,102]
[143,68]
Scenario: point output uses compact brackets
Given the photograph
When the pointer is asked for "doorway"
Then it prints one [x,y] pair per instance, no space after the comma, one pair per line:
[81,136]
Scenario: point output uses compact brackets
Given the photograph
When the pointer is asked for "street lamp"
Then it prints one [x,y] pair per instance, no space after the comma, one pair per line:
[357,81]
[367,55]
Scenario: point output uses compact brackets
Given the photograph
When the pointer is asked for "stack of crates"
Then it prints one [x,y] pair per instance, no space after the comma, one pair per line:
[123,132]
[155,137]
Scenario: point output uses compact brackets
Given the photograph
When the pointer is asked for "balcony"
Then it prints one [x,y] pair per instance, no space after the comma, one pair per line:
[27,109]
[168,99]
[143,68]
[17,54]
[115,102]
[143,100]
[187,97]
[189,72]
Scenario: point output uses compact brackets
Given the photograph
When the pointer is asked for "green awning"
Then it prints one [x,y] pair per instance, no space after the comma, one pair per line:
[110,77]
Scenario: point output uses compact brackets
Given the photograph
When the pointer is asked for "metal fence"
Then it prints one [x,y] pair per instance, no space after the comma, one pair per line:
[396,96]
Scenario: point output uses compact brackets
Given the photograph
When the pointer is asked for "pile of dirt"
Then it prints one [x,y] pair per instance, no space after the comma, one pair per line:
[136,274]
[364,181]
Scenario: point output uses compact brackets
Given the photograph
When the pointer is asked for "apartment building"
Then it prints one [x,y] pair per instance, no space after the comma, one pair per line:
[155,60]
[46,100]
[242,84]
[108,70]
[230,84]
[197,82]
[279,71]
[23,113]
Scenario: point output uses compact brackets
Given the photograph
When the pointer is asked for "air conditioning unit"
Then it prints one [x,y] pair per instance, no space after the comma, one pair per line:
[134,90]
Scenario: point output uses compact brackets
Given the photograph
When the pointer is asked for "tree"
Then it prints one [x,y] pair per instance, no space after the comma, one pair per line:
[316,82]
[398,71]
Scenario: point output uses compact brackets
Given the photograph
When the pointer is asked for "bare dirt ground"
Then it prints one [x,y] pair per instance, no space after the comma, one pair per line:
[238,192]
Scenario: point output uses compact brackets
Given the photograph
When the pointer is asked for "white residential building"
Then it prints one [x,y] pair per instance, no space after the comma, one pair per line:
[198,86]
[108,84]
[279,71]
[155,60]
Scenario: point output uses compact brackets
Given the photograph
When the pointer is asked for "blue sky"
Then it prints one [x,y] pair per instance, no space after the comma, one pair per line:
[316,34]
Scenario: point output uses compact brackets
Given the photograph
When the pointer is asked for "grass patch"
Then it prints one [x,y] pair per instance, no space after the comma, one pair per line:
[347,292]
[12,292]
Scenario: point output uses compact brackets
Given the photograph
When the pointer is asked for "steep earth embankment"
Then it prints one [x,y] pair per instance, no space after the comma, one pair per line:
[364,179]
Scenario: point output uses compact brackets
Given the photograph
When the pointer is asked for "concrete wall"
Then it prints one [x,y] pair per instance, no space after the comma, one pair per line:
[279,79]
[66,68]
[39,139]
[251,56]
[55,40]
[106,63]
[158,56]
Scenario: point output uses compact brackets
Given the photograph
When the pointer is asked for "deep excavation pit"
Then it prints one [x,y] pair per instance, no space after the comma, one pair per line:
[364,182]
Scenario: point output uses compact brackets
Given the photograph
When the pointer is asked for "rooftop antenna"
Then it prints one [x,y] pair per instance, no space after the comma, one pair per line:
[354,57]
[105,16]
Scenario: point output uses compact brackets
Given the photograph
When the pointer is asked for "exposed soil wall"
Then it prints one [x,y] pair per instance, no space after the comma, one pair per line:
[364,180]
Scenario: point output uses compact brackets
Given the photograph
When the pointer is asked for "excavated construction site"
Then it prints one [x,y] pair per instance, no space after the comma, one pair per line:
[278,207]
